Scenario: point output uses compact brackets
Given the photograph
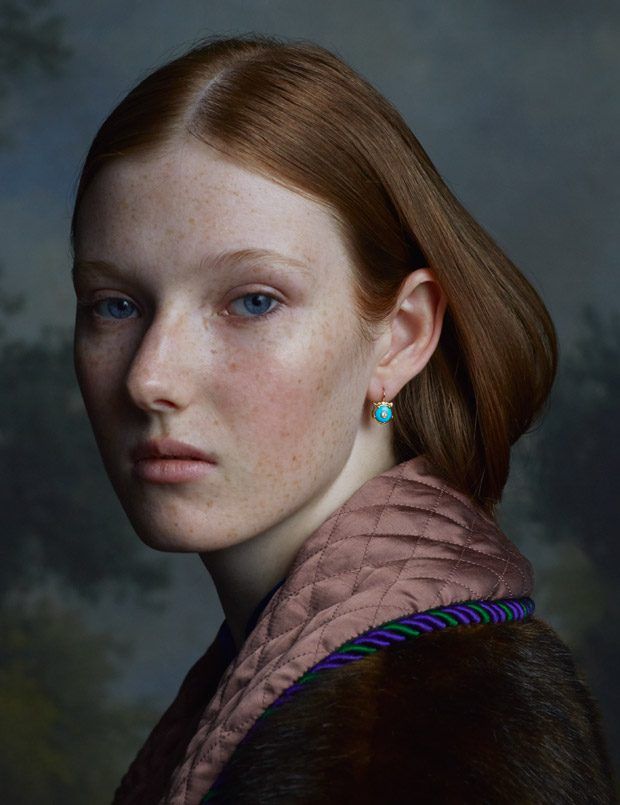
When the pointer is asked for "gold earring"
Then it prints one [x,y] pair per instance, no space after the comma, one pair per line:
[382,410]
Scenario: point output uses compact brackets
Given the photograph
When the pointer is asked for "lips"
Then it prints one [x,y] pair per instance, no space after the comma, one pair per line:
[169,448]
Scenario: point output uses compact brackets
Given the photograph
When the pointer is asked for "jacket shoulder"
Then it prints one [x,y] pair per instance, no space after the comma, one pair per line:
[487,713]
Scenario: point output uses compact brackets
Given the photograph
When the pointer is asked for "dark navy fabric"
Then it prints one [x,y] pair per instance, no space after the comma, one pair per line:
[224,635]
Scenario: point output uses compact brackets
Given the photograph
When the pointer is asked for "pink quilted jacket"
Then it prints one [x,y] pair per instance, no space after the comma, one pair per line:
[403,543]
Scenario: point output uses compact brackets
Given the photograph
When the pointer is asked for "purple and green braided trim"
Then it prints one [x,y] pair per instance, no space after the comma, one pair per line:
[465,613]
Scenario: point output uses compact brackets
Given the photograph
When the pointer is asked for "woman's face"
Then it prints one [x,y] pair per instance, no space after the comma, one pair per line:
[191,328]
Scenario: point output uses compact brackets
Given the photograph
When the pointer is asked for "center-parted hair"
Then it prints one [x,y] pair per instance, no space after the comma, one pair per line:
[298,114]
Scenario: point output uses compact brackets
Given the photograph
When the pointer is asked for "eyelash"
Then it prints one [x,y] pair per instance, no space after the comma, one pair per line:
[89,306]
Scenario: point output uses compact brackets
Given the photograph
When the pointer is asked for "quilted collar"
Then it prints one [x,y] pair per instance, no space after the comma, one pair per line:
[404,542]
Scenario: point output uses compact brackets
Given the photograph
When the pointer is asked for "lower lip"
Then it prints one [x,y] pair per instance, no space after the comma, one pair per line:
[171,470]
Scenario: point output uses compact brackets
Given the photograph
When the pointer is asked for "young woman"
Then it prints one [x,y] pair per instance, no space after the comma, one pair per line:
[304,361]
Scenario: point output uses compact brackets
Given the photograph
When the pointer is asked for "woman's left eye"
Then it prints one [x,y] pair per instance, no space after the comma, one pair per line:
[256,304]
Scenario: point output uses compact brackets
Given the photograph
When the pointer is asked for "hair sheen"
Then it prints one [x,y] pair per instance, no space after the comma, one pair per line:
[298,114]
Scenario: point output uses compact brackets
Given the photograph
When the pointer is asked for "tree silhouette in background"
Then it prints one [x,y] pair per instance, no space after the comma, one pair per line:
[51,480]
[63,736]
[61,516]
[574,478]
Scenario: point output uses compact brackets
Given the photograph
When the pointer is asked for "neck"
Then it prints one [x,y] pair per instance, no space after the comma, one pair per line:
[244,573]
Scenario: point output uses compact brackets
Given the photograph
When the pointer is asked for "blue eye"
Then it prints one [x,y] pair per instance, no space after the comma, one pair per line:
[119,304]
[257,303]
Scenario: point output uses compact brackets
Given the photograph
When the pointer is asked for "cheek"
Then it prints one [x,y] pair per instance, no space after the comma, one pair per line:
[97,372]
[293,402]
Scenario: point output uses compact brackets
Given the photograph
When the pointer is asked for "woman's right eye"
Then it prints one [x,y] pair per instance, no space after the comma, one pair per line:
[117,306]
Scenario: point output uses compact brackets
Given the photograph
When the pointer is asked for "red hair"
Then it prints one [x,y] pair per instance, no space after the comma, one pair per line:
[298,114]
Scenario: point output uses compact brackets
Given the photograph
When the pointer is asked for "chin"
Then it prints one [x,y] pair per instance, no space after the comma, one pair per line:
[170,542]
[173,534]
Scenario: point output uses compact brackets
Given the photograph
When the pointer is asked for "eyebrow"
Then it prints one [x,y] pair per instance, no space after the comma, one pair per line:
[224,259]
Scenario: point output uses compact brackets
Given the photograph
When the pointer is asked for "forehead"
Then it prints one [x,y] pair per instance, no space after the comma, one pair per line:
[193,198]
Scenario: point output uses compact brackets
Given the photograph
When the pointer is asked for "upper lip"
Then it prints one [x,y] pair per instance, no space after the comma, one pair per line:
[168,448]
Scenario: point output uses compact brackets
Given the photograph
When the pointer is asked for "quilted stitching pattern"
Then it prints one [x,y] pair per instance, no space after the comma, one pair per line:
[403,543]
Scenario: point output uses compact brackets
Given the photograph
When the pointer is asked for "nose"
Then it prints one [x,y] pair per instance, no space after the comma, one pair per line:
[159,377]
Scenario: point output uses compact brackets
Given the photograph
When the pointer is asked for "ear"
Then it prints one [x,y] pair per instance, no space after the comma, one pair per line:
[412,333]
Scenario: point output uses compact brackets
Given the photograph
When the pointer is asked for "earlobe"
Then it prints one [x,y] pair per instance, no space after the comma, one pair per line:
[415,328]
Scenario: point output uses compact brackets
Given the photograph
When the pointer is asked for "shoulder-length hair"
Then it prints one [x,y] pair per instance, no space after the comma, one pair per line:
[298,114]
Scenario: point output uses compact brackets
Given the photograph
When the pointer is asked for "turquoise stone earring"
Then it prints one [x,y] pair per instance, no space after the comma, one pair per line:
[382,411]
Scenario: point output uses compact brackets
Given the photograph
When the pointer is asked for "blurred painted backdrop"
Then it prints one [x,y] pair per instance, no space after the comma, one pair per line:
[517,104]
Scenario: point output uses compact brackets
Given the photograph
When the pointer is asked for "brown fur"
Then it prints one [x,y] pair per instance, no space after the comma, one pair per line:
[492,713]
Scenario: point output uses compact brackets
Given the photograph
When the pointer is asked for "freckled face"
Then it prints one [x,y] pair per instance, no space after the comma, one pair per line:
[249,358]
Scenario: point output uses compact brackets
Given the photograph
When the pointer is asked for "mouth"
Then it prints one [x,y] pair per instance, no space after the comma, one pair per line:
[168,448]
[167,460]
[171,469]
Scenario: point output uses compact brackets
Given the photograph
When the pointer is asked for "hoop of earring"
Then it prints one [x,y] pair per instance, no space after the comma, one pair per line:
[382,411]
